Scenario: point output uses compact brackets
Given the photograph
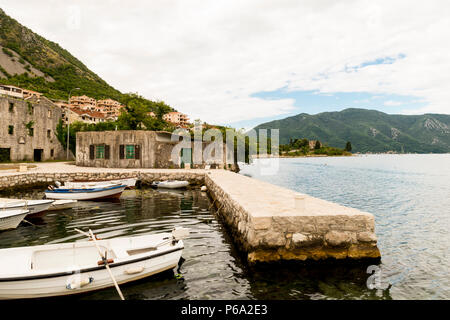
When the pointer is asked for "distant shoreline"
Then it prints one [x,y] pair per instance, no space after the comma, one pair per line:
[305,156]
[264,156]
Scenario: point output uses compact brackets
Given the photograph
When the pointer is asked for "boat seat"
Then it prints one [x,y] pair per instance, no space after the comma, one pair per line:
[120,252]
[135,251]
[16,263]
[68,257]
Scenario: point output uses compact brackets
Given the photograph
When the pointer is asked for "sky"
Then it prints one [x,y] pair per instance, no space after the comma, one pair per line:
[241,63]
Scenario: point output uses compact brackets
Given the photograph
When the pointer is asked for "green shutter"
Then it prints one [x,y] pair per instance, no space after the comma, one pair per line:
[121,151]
[130,151]
[137,151]
[100,151]
[107,152]
[91,152]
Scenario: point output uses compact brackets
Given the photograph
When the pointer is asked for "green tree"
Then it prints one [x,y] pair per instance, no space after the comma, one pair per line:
[134,115]
[317,145]
[161,108]
[348,146]
[29,127]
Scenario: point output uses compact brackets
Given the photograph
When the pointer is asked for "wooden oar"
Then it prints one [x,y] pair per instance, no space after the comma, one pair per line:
[91,235]
[29,222]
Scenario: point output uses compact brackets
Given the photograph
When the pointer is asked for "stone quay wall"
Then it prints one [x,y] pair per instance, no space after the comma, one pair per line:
[267,222]
[146,178]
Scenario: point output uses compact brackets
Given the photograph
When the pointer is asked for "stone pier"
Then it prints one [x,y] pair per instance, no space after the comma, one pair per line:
[271,223]
[268,223]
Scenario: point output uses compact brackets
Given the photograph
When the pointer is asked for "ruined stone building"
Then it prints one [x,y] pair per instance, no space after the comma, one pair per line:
[142,149]
[28,129]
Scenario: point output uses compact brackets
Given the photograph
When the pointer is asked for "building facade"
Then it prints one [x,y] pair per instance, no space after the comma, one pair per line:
[138,149]
[312,144]
[111,108]
[11,91]
[177,118]
[30,93]
[87,116]
[96,111]
[28,130]
[83,102]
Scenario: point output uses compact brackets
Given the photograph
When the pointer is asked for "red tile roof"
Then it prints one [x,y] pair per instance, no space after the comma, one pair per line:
[93,114]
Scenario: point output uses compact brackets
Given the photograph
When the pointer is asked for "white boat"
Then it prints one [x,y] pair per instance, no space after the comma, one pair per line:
[11,218]
[171,184]
[62,204]
[72,268]
[130,183]
[35,207]
[100,192]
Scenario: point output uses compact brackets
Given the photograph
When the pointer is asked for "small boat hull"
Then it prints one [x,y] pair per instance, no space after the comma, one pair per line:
[78,277]
[176,184]
[10,219]
[36,208]
[62,204]
[85,194]
[130,183]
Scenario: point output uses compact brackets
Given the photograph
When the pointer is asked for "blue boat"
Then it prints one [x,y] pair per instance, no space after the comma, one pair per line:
[104,192]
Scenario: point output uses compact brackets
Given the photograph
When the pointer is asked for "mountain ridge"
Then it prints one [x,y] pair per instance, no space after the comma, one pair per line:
[44,61]
[368,130]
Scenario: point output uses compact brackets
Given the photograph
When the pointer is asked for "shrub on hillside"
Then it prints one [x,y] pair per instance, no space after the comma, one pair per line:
[7,52]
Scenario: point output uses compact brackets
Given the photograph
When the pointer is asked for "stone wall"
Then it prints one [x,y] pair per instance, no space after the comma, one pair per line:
[44,117]
[155,150]
[146,178]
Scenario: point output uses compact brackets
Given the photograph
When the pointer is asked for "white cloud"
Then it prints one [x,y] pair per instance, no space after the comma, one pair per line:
[391,103]
[206,58]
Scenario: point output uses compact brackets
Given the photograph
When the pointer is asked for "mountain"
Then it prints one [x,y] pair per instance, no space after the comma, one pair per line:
[369,130]
[29,61]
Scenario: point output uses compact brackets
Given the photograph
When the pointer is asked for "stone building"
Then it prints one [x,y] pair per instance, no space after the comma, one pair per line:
[312,144]
[11,91]
[87,116]
[31,93]
[177,118]
[109,107]
[84,102]
[64,106]
[140,149]
[28,129]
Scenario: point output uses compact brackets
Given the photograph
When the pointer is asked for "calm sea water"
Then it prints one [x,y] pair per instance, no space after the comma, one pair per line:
[408,194]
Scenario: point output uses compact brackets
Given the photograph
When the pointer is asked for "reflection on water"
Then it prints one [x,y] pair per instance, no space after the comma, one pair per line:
[409,196]
[212,268]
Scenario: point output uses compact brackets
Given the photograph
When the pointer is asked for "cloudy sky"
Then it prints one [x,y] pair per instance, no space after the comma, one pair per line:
[245,62]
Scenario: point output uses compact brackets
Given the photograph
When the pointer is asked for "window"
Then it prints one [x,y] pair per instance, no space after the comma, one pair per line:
[49,133]
[31,132]
[100,152]
[11,129]
[30,107]
[130,152]
[52,153]
[49,113]
[5,154]
[11,107]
